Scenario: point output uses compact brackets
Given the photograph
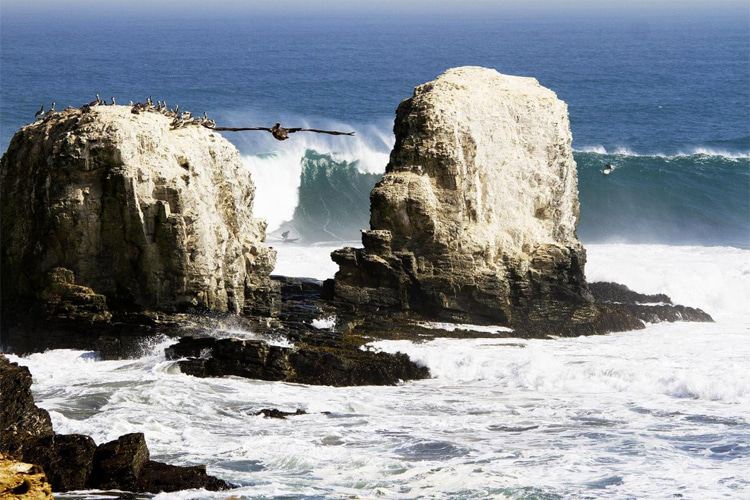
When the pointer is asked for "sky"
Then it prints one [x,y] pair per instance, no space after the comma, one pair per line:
[219,8]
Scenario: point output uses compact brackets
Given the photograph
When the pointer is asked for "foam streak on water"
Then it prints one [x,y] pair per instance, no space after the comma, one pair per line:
[647,414]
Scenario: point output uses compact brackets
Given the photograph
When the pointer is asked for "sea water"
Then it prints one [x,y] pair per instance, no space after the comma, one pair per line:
[655,413]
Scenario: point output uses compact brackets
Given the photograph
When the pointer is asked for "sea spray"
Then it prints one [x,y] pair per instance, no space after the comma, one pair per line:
[350,166]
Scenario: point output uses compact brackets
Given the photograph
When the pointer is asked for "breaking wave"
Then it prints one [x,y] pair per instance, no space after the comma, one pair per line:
[317,188]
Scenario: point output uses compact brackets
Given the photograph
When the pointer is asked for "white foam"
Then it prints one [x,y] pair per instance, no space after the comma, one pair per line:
[242,334]
[451,327]
[716,279]
[324,323]
[310,261]
[276,166]
[686,152]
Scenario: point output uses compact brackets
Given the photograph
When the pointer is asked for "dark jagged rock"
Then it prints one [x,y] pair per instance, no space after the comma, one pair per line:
[118,464]
[605,291]
[67,459]
[21,421]
[648,308]
[304,364]
[210,357]
[156,477]
[275,413]
[342,367]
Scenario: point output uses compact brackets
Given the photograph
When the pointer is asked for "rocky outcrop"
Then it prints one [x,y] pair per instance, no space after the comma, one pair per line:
[21,421]
[647,308]
[74,461]
[22,481]
[331,364]
[149,216]
[475,218]
[67,459]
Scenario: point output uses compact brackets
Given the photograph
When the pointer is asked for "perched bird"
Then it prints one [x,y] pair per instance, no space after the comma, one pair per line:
[280,133]
[113,102]
[131,103]
[51,111]
[39,113]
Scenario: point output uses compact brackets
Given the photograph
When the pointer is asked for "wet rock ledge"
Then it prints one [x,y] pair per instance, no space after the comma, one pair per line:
[74,461]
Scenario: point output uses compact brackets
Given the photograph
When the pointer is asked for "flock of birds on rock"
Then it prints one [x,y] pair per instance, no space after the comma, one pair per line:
[185,118]
[179,119]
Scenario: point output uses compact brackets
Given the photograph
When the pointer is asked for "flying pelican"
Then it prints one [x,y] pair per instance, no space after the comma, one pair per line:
[280,133]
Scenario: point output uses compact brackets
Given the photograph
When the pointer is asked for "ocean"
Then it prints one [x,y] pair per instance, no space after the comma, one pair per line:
[657,413]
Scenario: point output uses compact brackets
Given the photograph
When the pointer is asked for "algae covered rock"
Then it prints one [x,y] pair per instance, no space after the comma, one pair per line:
[149,216]
[475,217]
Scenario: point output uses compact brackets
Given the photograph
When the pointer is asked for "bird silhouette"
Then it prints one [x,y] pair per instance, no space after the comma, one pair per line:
[281,133]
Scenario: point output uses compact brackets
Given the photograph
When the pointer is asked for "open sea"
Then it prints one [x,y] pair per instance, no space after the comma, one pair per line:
[658,413]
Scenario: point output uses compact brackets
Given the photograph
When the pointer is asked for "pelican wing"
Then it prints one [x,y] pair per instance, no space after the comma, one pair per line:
[239,129]
[331,132]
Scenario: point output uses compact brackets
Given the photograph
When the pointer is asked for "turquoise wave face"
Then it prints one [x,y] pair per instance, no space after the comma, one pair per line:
[334,200]
[697,199]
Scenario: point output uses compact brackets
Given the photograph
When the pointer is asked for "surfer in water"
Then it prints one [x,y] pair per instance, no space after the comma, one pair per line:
[285,235]
[608,168]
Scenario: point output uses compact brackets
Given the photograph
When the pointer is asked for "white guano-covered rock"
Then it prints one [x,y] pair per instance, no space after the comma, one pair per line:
[475,217]
[489,158]
[145,214]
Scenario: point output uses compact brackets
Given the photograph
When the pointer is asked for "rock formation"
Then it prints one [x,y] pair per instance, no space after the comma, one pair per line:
[22,481]
[74,461]
[475,218]
[331,364]
[148,216]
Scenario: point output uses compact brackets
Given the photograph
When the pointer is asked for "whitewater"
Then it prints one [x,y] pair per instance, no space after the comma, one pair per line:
[657,413]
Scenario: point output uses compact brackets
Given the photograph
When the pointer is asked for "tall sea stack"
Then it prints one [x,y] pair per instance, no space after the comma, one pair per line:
[475,217]
[150,216]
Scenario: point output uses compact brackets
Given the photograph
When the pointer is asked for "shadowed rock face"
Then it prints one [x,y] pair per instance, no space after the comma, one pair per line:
[147,216]
[305,364]
[475,218]
[21,421]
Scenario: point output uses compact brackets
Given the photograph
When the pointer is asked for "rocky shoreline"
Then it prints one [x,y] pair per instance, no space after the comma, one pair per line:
[119,230]
[74,461]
